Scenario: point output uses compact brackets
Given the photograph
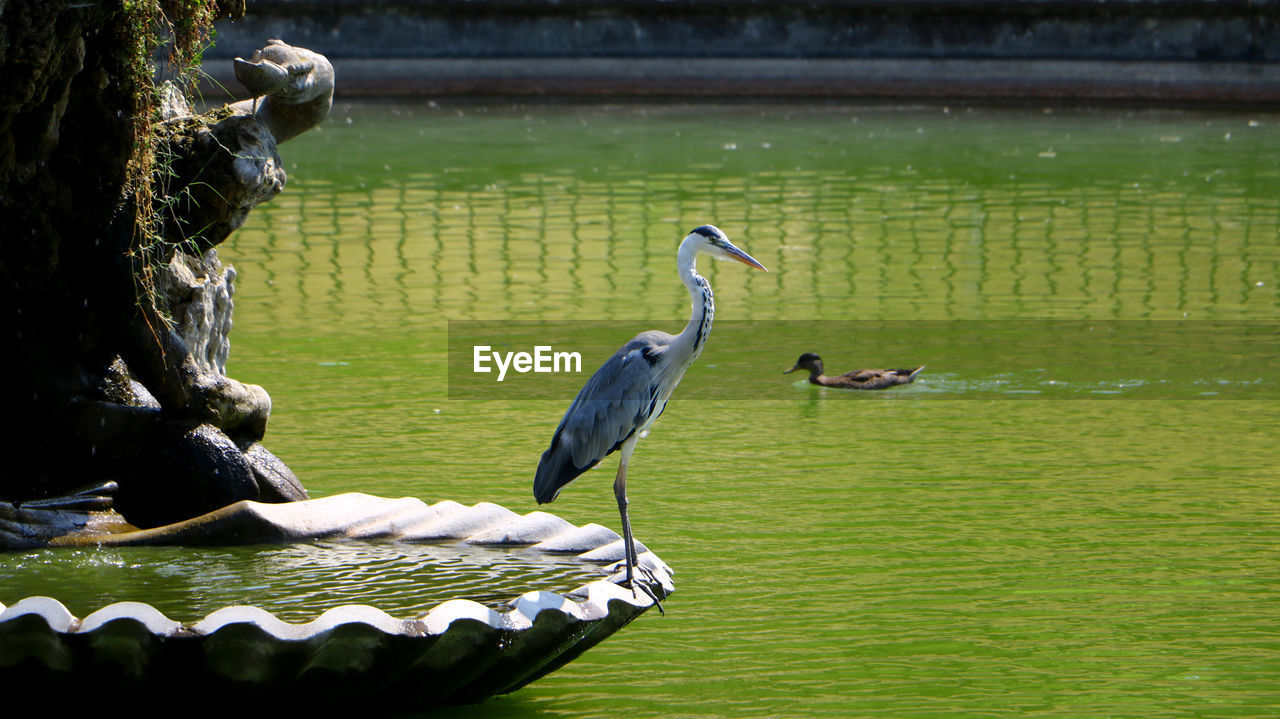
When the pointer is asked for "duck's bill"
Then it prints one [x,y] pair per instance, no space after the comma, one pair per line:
[744,258]
[793,369]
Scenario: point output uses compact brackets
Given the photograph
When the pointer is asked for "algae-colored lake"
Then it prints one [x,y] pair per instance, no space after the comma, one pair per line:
[1073,512]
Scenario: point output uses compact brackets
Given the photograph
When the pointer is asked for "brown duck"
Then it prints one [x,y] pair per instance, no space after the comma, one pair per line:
[857,379]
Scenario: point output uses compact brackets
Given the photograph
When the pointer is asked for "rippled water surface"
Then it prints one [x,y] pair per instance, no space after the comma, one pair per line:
[1042,525]
[296,582]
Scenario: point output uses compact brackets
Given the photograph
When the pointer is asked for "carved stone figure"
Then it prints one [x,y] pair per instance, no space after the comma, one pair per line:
[296,85]
[225,163]
[156,420]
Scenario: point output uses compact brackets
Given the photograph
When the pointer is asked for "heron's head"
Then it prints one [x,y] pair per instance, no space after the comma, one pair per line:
[808,361]
[711,240]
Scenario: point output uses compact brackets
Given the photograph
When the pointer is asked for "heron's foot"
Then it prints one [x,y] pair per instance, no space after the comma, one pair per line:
[648,573]
[645,584]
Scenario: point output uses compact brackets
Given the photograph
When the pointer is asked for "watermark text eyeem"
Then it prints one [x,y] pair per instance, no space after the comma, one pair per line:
[544,359]
[1060,359]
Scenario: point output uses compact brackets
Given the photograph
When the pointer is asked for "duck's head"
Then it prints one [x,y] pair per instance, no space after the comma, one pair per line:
[808,361]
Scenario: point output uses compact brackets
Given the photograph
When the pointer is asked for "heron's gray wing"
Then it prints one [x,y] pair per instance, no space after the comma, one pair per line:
[611,406]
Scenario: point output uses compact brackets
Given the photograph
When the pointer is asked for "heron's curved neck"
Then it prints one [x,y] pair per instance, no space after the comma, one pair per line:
[704,306]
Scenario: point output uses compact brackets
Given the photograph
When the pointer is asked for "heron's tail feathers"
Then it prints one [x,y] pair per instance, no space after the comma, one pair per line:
[555,470]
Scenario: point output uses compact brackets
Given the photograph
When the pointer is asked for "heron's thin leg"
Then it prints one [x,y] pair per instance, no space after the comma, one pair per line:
[629,544]
[620,491]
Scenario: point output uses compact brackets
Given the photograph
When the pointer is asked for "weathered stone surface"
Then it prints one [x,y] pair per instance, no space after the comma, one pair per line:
[296,86]
[198,293]
[66,135]
[1131,30]
[119,386]
[1143,50]
[115,341]
[159,358]
[276,482]
[223,166]
[39,522]
[185,474]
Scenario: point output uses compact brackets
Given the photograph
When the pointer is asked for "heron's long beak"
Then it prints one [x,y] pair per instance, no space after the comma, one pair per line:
[737,254]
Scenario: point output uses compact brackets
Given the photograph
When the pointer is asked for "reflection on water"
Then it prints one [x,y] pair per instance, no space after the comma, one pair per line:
[574,213]
[297,582]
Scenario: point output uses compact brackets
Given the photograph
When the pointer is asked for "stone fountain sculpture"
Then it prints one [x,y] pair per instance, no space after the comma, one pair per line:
[165,434]
[172,383]
[184,441]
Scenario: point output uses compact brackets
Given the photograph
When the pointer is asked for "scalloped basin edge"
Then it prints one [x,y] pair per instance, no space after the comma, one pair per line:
[353,656]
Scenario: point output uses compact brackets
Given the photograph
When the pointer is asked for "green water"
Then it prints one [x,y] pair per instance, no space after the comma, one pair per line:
[1017,534]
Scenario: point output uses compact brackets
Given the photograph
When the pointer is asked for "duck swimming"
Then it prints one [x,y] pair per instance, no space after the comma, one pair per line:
[857,379]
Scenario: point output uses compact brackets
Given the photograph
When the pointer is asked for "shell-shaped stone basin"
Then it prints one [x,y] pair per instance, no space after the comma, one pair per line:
[350,658]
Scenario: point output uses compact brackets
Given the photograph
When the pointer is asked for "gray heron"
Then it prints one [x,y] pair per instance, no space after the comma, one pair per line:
[857,379]
[616,407]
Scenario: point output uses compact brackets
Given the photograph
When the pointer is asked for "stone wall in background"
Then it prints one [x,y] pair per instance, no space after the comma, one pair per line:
[1039,49]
